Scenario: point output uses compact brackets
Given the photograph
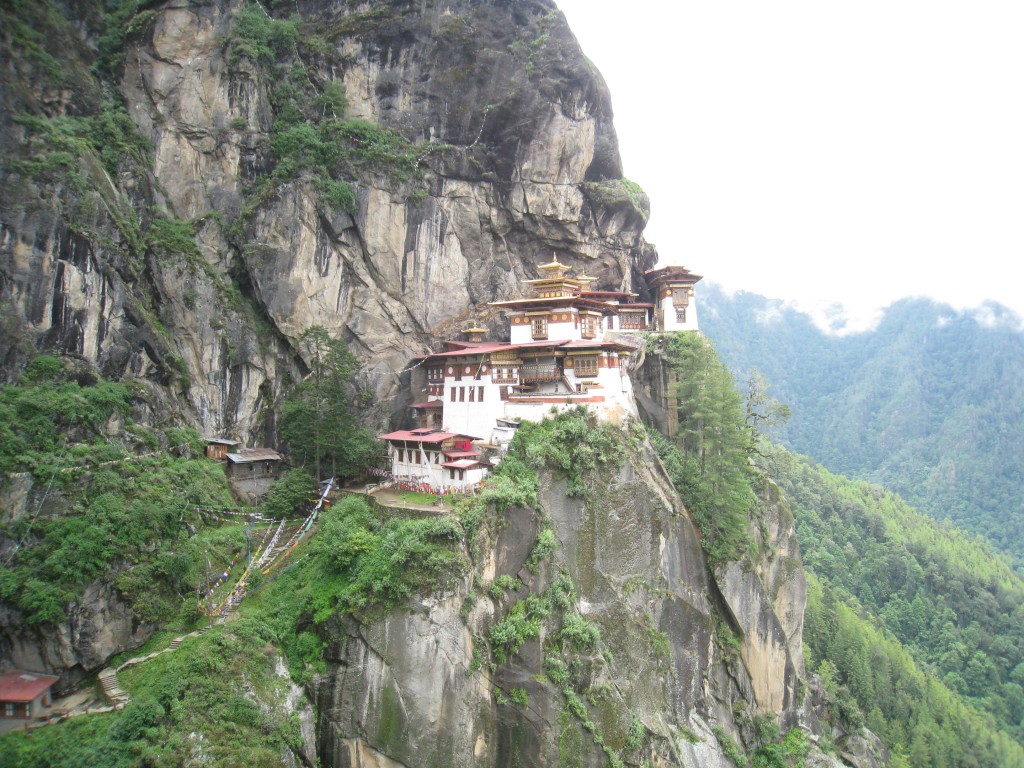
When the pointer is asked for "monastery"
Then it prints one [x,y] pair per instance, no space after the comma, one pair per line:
[569,346]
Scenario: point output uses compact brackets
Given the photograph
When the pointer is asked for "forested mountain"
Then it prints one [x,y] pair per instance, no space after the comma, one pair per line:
[929,404]
[914,626]
[886,576]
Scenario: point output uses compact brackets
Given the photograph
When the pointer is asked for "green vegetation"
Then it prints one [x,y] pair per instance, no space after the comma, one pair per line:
[56,145]
[618,192]
[949,606]
[708,460]
[309,137]
[318,419]
[294,493]
[99,505]
[573,443]
[866,670]
[928,404]
[363,563]
[172,238]
[218,694]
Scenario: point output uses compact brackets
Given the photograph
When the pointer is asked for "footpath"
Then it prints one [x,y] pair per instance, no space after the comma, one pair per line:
[285,538]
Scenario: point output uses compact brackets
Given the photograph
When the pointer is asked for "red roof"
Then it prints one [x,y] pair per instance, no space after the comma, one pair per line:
[462,454]
[429,404]
[462,464]
[424,436]
[478,349]
[24,686]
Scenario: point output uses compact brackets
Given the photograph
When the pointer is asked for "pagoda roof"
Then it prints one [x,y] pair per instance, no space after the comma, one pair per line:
[669,273]
[593,344]
[19,686]
[554,264]
[475,349]
[222,441]
[602,294]
[462,454]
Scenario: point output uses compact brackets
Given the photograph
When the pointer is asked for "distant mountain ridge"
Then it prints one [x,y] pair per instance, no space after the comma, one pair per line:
[929,404]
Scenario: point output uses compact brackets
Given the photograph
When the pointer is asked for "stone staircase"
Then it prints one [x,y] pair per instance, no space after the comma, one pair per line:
[112,688]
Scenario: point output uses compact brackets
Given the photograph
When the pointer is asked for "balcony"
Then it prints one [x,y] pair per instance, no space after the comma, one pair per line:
[529,374]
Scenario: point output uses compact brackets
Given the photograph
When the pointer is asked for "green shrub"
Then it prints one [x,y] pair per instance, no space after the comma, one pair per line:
[546,545]
[579,633]
[523,622]
[519,696]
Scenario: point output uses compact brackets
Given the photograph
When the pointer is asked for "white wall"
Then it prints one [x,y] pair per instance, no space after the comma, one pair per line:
[670,315]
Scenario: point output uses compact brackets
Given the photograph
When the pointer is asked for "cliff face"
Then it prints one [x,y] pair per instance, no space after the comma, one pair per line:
[515,157]
[681,649]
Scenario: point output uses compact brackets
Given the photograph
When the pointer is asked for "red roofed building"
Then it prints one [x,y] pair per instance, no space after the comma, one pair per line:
[433,460]
[24,694]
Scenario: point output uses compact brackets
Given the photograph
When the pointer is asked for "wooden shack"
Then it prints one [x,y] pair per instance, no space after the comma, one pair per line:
[218,448]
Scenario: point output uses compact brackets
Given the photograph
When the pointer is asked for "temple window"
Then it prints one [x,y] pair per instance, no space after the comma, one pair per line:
[585,366]
[589,326]
[540,327]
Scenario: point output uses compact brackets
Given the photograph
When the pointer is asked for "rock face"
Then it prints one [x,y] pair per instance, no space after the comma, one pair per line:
[99,625]
[518,154]
[405,690]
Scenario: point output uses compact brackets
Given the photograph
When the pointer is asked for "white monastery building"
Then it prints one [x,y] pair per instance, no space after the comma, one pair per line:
[568,347]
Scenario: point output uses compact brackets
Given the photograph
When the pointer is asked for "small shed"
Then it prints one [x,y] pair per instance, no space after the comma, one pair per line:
[24,694]
[217,448]
[253,463]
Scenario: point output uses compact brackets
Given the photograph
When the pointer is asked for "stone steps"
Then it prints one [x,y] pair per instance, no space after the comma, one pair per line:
[112,687]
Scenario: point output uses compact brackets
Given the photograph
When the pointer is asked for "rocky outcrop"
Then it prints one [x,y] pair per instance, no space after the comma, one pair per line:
[765,593]
[99,624]
[414,687]
[519,158]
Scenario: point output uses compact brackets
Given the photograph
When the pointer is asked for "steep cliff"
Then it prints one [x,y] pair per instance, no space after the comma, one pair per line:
[167,213]
[637,652]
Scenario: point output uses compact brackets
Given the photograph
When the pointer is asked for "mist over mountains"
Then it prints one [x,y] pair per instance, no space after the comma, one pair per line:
[929,403]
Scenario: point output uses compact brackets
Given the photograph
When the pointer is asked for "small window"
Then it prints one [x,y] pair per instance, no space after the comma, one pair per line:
[453,394]
[472,394]
[401,455]
[540,327]
[589,326]
[480,397]
[462,394]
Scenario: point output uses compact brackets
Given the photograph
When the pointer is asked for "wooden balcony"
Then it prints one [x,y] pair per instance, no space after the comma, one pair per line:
[539,373]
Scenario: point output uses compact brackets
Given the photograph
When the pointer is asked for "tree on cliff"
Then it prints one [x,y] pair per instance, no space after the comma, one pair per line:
[708,459]
[318,421]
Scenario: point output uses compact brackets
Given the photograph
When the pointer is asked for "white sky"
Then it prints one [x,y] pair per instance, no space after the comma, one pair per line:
[822,151]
